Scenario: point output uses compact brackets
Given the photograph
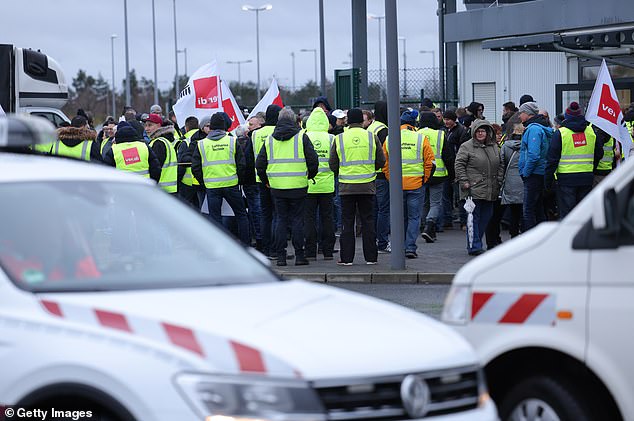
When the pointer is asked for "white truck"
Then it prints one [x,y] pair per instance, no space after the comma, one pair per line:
[550,313]
[32,82]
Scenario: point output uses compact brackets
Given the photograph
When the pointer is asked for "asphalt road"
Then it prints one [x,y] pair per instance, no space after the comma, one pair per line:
[426,299]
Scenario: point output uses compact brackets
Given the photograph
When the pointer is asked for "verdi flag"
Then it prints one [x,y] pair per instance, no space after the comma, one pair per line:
[201,97]
[230,106]
[272,96]
[605,112]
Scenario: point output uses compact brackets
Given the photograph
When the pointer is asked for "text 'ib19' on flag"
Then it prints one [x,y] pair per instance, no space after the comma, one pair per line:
[605,112]
[202,96]
[272,96]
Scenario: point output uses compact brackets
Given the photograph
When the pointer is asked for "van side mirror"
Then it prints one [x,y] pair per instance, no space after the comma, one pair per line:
[611,212]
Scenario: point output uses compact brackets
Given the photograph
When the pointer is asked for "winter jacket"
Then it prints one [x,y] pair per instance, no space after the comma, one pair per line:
[155,166]
[512,189]
[197,165]
[577,125]
[246,144]
[285,130]
[534,147]
[457,136]
[73,136]
[479,165]
[166,132]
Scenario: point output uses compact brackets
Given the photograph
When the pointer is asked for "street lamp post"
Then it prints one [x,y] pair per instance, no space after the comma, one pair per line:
[293,63]
[404,65]
[114,105]
[176,88]
[239,62]
[156,98]
[314,51]
[433,60]
[184,51]
[257,11]
[379,19]
[127,55]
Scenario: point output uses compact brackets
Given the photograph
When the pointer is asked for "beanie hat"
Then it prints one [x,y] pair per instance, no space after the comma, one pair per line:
[355,116]
[526,98]
[573,110]
[79,121]
[227,119]
[428,119]
[408,118]
[205,121]
[426,102]
[217,122]
[126,133]
[529,108]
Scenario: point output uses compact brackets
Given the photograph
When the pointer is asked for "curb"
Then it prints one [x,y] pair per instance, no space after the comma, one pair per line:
[374,278]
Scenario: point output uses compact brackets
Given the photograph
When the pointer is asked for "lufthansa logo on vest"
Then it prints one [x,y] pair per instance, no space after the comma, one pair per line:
[317,144]
[415,396]
[356,140]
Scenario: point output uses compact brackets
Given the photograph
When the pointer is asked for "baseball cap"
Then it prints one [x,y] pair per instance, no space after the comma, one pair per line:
[338,113]
[154,118]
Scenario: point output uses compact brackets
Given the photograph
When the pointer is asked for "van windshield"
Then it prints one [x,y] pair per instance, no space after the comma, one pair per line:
[92,236]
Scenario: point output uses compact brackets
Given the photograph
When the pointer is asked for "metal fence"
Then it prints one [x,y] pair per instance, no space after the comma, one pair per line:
[411,81]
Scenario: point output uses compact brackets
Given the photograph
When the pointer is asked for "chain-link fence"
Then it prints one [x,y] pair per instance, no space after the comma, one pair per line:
[411,81]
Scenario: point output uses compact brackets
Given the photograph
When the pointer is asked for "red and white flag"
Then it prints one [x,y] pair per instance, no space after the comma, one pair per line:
[605,112]
[201,97]
[230,107]
[272,96]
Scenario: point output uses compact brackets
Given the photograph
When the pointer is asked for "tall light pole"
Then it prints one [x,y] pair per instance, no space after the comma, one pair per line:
[322,50]
[114,105]
[239,62]
[257,11]
[433,61]
[127,55]
[156,98]
[314,51]
[293,64]
[379,19]
[184,51]
[176,89]
[404,65]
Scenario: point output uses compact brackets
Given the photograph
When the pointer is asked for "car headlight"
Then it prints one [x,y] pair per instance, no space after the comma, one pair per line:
[456,306]
[250,398]
[483,391]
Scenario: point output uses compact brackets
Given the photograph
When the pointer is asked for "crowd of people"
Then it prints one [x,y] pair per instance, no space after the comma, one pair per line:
[325,173]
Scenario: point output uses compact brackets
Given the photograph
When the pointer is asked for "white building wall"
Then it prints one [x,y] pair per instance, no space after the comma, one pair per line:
[514,74]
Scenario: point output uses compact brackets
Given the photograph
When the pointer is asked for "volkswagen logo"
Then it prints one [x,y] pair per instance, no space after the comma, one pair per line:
[415,395]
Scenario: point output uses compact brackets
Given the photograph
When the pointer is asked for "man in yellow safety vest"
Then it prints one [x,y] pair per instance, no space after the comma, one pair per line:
[130,153]
[77,141]
[161,141]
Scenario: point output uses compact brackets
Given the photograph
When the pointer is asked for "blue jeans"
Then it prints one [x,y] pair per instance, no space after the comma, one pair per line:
[481,216]
[253,202]
[382,212]
[412,201]
[233,196]
[433,195]
[569,196]
[336,204]
[533,201]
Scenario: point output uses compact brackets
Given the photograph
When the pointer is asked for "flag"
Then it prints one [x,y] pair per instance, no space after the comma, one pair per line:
[201,97]
[272,96]
[230,107]
[605,112]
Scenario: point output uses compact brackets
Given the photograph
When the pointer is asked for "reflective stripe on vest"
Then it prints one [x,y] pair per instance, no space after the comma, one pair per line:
[412,160]
[79,151]
[258,138]
[188,177]
[375,128]
[132,157]
[357,156]
[439,136]
[188,172]
[219,162]
[169,171]
[325,178]
[608,156]
[577,151]
[286,168]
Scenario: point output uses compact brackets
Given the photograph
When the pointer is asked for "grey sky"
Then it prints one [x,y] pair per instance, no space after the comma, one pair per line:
[77,34]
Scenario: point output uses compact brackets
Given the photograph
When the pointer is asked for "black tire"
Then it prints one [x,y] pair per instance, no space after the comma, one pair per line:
[566,401]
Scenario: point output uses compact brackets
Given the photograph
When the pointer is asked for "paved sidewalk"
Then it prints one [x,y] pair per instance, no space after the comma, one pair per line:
[436,263]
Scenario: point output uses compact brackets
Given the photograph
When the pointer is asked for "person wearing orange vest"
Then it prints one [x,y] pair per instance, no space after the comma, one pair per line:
[137,156]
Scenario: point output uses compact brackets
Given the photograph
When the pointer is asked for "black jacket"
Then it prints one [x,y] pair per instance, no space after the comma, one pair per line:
[155,166]
[73,136]
[185,153]
[577,125]
[603,138]
[448,155]
[246,144]
[197,167]
[457,136]
[286,130]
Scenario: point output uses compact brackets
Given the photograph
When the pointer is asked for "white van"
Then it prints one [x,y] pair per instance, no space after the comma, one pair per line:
[551,313]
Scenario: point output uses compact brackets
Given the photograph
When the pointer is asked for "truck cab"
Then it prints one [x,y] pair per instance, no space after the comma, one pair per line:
[550,312]
[32,82]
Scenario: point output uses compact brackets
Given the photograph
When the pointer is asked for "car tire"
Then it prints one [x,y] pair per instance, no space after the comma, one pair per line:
[543,398]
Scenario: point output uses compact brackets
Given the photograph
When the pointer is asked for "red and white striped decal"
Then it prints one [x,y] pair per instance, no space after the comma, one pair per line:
[228,355]
[513,308]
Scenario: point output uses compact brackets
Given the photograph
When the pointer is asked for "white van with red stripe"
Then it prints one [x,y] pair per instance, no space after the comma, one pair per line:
[119,301]
[550,312]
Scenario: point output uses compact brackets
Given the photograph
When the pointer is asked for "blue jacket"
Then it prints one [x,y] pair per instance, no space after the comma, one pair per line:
[534,147]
